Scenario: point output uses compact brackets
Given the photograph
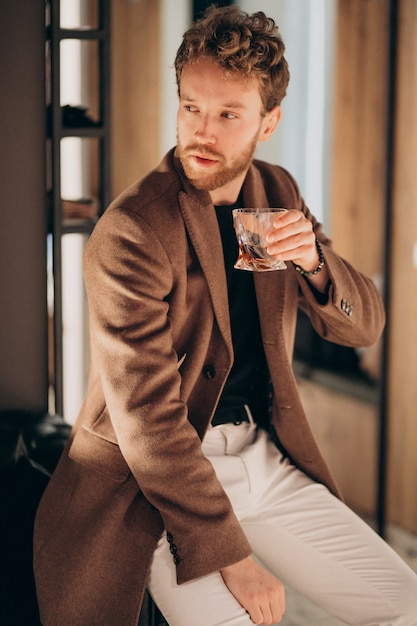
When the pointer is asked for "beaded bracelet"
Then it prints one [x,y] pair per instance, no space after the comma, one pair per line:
[319,266]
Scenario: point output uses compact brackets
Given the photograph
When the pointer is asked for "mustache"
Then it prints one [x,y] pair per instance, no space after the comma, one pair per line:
[203,151]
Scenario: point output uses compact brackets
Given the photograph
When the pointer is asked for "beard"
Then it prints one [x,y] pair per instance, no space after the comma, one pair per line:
[225,171]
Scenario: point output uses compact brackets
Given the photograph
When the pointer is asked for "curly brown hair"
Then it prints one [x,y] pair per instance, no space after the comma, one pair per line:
[242,44]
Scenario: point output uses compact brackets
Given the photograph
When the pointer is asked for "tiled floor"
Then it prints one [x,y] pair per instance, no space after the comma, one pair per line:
[301,612]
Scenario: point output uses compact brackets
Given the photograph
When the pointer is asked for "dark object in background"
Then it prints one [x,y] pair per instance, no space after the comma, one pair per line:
[316,352]
[199,6]
[30,446]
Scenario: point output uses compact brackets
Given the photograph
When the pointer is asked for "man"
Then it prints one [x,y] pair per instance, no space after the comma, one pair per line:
[192,452]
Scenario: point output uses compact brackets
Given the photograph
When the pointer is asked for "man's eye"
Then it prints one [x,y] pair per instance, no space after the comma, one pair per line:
[229,116]
[190,108]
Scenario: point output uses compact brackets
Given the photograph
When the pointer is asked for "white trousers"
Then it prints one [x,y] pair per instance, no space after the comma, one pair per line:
[303,534]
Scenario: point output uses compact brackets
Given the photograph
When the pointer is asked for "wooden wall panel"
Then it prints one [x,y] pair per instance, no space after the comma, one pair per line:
[402,404]
[135,90]
[346,428]
[358,209]
[357,223]
[360,120]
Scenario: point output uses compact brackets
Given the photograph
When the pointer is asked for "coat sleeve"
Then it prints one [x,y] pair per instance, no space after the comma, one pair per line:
[354,313]
[129,281]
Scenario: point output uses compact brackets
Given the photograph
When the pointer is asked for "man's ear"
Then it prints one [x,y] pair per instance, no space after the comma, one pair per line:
[269,123]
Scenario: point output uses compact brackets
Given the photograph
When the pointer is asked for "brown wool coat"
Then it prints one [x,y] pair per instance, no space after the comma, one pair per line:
[161,351]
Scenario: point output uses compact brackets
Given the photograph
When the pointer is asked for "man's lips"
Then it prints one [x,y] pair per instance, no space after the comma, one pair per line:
[203,160]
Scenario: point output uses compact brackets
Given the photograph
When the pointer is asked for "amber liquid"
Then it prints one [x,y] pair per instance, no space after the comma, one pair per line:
[252,259]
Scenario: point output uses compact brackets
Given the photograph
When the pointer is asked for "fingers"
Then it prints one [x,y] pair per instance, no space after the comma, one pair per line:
[278,605]
[292,238]
[291,225]
[271,608]
[257,590]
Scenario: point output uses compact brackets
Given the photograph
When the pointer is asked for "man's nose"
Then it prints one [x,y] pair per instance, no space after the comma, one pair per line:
[204,131]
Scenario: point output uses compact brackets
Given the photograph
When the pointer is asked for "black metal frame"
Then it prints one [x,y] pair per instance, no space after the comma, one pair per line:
[55,34]
[389,186]
[199,6]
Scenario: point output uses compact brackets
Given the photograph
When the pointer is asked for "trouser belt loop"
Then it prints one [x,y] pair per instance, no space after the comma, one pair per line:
[236,416]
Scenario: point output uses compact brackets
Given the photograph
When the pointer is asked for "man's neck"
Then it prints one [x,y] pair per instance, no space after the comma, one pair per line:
[229,193]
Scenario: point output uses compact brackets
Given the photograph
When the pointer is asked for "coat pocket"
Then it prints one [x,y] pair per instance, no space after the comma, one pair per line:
[99,454]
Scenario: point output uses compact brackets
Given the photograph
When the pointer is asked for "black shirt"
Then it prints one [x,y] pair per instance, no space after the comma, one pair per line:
[248,378]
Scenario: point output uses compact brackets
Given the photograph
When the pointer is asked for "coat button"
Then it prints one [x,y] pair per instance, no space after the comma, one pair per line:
[346,307]
[209,372]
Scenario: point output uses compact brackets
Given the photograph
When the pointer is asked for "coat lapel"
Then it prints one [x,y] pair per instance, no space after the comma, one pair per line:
[201,223]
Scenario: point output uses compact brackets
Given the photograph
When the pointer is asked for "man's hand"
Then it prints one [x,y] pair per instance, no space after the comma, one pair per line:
[258,591]
[293,239]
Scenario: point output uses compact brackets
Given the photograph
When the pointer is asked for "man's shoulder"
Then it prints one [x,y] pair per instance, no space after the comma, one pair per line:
[271,171]
[158,186]
[278,184]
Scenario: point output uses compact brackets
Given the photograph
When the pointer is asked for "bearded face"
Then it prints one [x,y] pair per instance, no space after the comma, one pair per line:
[220,122]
